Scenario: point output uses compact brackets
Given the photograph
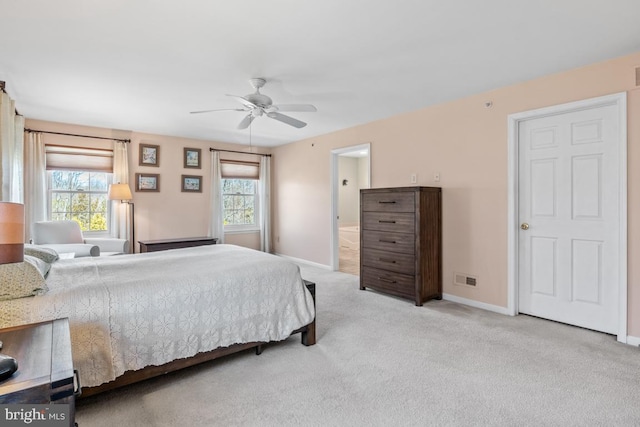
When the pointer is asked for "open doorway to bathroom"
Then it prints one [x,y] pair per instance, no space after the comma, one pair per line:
[351,170]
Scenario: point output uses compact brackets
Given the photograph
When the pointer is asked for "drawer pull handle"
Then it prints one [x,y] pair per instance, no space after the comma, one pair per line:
[387,202]
[383,221]
[392,261]
[387,241]
[382,279]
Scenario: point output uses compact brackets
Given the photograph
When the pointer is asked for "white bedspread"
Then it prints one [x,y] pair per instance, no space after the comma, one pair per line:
[131,311]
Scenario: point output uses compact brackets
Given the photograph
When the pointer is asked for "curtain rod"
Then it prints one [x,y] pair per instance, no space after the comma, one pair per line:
[127,141]
[240,152]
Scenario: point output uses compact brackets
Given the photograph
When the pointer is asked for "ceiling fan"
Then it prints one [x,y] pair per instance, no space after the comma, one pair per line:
[257,104]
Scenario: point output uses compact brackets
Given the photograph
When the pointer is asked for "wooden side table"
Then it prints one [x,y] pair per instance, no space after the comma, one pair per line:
[165,244]
[45,372]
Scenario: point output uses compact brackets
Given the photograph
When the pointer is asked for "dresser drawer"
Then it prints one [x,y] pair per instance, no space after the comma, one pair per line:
[393,222]
[387,281]
[400,263]
[388,202]
[387,241]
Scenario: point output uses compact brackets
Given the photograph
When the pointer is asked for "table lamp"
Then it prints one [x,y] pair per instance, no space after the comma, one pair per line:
[122,192]
[11,251]
[11,232]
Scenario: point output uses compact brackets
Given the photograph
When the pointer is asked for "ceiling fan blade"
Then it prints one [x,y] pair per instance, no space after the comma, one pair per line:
[286,119]
[220,109]
[295,107]
[244,101]
[246,121]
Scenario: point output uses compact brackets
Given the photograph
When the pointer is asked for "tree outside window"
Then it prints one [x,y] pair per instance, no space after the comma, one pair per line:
[239,203]
[80,196]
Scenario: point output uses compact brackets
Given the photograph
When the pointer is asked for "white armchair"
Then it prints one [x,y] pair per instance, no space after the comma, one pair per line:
[66,236]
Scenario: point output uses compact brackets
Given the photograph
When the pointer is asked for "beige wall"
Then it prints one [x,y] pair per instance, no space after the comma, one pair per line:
[169,213]
[466,144]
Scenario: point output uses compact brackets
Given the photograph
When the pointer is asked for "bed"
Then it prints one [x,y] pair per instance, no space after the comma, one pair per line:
[135,316]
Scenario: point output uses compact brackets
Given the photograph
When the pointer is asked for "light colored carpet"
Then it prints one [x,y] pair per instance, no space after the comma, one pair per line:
[381,361]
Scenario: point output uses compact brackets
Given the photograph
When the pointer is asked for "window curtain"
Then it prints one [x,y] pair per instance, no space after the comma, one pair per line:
[120,212]
[35,181]
[11,151]
[264,191]
[216,219]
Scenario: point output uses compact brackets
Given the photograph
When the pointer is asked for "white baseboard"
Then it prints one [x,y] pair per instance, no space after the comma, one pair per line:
[304,261]
[633,340]
[476,304]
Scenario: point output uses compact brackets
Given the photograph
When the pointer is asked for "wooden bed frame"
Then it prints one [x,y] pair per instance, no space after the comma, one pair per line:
[308,333]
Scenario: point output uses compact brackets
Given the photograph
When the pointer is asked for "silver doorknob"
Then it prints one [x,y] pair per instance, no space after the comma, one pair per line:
[524,226]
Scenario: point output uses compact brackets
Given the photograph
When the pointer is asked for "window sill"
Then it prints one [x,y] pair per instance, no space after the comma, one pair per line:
[96,234]
[241,230]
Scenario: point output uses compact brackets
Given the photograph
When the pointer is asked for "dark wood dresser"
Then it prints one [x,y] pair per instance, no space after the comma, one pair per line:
[401,241]
[45,372]
[165,244]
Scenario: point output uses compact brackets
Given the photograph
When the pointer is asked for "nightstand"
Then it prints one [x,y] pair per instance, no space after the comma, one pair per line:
[45,368]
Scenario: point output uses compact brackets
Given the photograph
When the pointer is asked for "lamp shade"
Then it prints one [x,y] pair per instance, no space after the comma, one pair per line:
[119,192]
[11,232]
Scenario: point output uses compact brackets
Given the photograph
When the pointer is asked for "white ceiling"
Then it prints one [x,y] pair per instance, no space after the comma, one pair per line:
[144,65]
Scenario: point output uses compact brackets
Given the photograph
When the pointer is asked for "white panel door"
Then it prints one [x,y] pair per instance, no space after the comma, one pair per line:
[569,214]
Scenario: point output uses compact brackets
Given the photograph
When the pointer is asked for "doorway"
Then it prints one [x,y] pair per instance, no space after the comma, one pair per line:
[567,221]
[351,172]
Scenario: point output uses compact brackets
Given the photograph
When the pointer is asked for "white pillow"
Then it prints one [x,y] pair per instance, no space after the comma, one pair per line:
[23,279]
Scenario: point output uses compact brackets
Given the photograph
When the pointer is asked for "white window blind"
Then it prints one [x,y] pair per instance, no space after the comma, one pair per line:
[60,157]
[232,169]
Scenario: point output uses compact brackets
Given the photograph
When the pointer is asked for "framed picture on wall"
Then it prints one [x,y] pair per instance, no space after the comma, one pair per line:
[192,184]
[147,182]
[149,155]
[192,158]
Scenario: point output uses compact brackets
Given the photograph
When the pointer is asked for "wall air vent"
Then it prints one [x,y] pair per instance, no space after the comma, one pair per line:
[464,279]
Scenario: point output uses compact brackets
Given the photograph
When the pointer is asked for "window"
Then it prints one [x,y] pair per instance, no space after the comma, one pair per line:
[240,195]
[80,196]
[239,202]
[78,181]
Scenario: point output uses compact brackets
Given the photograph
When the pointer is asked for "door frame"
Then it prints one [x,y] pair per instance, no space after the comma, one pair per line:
[620,101]
[335,154]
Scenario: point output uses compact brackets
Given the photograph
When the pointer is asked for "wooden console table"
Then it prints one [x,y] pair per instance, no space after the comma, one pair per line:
[165,244]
